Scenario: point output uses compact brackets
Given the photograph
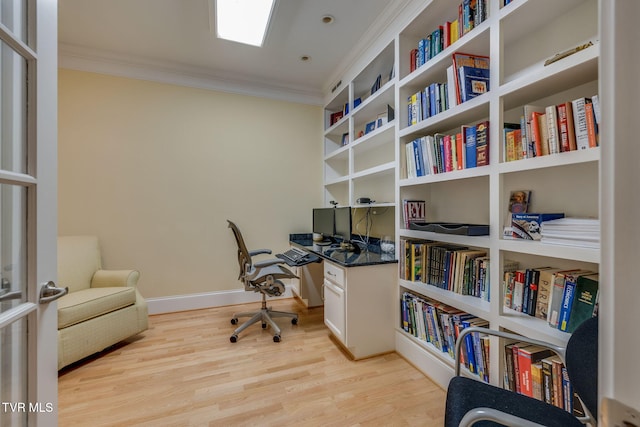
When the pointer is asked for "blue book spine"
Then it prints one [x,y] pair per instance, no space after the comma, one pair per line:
[567,302]
[425,104]
[470,139]
[421,58]
[417,152]
[468,341]
[432,99]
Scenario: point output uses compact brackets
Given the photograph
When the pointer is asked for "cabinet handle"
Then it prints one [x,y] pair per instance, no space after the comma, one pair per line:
[322,291]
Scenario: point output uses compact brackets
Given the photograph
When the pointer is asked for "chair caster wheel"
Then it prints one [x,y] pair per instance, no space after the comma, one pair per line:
[294,321]
[234,321]
[276,338]
[264,326]
[233,338]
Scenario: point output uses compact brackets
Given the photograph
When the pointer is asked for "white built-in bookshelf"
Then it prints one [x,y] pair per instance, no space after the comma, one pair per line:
[366,165]
[518,38]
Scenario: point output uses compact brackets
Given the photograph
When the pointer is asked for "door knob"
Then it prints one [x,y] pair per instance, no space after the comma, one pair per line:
[50,292]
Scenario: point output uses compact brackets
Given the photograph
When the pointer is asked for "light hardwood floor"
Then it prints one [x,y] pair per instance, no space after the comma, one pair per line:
[183,371]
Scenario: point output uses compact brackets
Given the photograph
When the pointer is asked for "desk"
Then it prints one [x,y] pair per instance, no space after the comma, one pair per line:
[359,293]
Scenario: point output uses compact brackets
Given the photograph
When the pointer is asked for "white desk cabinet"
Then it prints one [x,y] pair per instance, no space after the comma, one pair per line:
[359,307]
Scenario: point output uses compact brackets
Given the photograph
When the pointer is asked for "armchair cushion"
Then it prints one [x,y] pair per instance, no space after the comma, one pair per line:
[110,278]
[86,304]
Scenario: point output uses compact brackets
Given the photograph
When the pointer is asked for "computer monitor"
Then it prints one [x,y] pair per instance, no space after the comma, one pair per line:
[323,222]
[343,223]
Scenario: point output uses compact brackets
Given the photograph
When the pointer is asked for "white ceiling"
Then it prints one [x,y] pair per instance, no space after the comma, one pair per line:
[176,36]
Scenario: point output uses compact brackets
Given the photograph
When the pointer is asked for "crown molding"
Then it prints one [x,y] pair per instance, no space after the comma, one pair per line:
[103,62]
[388,24]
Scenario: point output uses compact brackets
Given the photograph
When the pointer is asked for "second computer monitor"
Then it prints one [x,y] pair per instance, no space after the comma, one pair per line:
[323,222]
[343,223]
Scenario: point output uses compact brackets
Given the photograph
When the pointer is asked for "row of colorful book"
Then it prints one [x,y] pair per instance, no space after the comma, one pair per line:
[428,102]
[539,373]
[467,77]
[455,268]
[568,126]
[439,324]
[564,298]
[471,13]
[439,153]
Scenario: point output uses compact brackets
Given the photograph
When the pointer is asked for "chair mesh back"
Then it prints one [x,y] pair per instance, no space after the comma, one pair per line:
[244,259]
[582,363]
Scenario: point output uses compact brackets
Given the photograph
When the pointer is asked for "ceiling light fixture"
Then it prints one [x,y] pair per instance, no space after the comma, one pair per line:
[327,19]
[243,21]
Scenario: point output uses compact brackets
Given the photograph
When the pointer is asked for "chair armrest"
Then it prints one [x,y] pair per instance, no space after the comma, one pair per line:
[558,349]
[259,251]
[490,414]
[114,278]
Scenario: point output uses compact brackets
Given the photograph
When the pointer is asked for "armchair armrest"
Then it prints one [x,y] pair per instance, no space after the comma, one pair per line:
[558,349]
[490,414]
[114,278]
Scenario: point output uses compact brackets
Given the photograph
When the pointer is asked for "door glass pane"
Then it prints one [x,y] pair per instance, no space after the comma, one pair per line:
[13,110]
[13,374]
[13,266]
[13,15]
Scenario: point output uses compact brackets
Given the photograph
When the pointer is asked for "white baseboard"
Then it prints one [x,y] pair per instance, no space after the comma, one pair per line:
[176,303]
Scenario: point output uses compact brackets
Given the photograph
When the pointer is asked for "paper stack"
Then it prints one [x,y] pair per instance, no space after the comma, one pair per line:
[583,232]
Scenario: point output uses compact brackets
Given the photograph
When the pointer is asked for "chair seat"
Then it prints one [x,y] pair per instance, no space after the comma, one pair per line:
[86,304]
[471,394]
[277,271]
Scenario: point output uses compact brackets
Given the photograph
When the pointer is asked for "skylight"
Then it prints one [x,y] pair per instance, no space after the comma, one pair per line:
[243,21]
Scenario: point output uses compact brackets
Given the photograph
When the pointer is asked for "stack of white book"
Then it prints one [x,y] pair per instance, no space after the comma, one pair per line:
[584,232]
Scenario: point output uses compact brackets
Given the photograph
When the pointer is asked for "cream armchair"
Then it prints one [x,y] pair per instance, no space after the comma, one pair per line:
[102,308]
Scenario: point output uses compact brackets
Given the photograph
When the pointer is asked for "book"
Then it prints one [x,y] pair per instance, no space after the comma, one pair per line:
[469,135]
[414,211]
[482,143]
[545,285]
[518,290]
[536,133]
[556,379]
[580,122]
[547,380]
[592,130]
[555,297]
[473,82]
[585,299]
[536,380]
[565,127]
[527,225]
[551,114]
[568,297]
[544,134]
[466,60]
[526,357]
[527,132]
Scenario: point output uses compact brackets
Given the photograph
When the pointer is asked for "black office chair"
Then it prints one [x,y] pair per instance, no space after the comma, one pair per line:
[264,277]
[474,403]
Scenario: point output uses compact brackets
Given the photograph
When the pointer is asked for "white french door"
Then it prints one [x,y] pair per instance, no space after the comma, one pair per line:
[28,212]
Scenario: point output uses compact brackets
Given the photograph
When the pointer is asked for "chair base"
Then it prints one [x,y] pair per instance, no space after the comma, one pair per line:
[265,316]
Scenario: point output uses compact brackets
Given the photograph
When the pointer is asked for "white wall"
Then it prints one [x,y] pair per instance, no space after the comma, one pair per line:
[155,170]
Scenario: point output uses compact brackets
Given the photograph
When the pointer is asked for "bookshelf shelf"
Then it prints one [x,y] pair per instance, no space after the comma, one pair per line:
[518,38]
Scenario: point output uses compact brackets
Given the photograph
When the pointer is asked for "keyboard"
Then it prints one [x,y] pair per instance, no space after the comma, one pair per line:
[295,255]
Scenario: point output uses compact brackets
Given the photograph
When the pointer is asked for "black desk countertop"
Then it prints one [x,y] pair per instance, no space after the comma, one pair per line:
[369,255]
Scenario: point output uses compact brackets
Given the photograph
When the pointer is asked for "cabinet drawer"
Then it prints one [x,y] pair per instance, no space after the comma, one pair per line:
[334,273]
